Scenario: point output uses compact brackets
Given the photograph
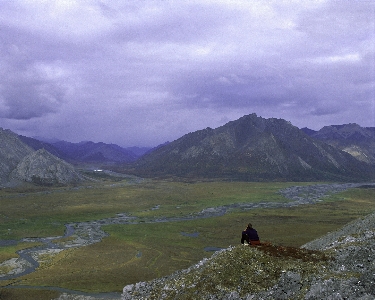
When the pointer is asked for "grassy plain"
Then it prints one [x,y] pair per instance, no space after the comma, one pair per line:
[145,251]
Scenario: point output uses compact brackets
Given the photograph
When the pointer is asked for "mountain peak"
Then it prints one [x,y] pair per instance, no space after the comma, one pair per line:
[351,138]
[252,148]
[345,131]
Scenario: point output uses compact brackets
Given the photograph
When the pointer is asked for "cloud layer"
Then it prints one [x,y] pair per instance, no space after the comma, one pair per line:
[144,72]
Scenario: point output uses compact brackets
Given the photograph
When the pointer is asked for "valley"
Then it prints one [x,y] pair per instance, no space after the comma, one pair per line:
[119,232]
[92,218]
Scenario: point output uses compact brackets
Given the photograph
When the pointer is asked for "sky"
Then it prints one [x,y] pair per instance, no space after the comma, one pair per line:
[143,72]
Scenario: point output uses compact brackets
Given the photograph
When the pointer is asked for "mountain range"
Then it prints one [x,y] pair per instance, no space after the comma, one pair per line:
[351,138]
[87,152]
[251,148]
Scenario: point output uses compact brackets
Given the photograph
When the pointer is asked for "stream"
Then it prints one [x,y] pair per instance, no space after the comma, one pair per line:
[86,233]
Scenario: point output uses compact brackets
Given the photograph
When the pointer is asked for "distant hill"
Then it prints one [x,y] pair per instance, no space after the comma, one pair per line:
[94,152]
[87,151]
[351,138]
[37,144]
[139,151]
[252,148]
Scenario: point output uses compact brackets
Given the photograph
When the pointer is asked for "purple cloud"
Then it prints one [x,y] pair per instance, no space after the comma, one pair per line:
[143,72]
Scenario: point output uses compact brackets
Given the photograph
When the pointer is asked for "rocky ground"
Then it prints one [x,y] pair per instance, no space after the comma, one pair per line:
[344,270]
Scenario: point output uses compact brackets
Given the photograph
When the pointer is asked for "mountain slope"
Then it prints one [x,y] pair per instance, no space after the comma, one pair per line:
[20,163]
[252,148]
[351,138]
[12,151]
[43,168]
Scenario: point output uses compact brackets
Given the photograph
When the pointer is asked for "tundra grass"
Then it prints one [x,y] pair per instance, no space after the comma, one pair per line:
[8,252]
[44,213]
[145,251]
[142,252]
[27,294]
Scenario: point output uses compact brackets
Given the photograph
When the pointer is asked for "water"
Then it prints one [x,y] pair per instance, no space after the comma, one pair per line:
[193,234]
[212,249]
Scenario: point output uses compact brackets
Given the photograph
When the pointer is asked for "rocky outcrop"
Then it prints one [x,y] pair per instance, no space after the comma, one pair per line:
[339,265]
[43,168]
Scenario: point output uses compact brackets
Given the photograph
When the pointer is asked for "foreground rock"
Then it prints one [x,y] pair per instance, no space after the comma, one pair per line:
[343,268]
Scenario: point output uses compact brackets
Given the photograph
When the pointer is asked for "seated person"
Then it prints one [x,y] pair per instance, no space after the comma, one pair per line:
[250,235]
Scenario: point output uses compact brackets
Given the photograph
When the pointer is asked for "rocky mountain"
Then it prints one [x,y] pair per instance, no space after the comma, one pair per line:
[252,148]
[42,168]
[12,151]
[21,163]
[351,138]
[339,265]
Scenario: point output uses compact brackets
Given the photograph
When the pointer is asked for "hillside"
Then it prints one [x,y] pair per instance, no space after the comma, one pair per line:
[351,138]
[43,168]
[20,163]
[252,148]
[12,151]
[336,266]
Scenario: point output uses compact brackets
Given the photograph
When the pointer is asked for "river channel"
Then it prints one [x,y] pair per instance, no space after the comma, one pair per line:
[86,233]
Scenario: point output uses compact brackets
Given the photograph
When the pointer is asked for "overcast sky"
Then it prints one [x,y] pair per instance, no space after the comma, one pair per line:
[143,72]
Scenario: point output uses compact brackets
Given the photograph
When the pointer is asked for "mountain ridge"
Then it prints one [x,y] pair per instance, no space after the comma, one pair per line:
[86,152]
[351,138]
[252,148]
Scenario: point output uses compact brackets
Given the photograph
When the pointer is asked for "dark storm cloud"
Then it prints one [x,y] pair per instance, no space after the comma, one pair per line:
[29,88]
[29,99]
[143,72]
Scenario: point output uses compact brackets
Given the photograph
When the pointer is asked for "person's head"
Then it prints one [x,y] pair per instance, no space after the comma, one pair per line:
[249,225]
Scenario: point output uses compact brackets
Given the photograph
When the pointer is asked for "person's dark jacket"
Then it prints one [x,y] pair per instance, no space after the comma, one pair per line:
[249,234]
